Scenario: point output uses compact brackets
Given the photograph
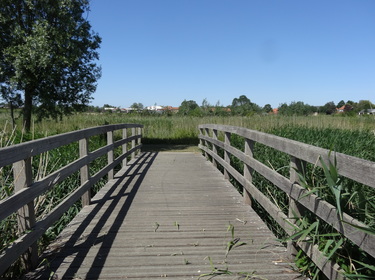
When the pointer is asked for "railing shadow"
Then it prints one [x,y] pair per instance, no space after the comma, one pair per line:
[137,171]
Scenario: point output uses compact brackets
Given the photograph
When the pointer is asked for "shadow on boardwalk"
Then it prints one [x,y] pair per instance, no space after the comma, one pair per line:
[125,184]
[163,216]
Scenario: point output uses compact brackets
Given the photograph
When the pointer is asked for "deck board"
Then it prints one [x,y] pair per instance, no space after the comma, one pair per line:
[163,216]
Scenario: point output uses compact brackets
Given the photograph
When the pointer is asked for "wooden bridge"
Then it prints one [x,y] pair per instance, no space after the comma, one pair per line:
[172,214]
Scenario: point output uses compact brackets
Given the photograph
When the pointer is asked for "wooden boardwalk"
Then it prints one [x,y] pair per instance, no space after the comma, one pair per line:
[166,215]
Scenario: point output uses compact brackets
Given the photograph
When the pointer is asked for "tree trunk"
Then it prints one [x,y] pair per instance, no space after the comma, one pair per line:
[29,91]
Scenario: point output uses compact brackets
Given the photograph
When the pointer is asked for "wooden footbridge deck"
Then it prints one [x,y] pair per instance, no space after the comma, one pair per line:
[174,215]
[165,216]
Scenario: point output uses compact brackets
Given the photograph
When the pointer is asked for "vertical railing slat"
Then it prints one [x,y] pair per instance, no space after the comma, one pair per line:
[84,171]
[226,153]
[214,148]
[295,209]
[139,142]
[124,146]
[207,134]
[22,172]
[110,153]
[133,142]
[247,170]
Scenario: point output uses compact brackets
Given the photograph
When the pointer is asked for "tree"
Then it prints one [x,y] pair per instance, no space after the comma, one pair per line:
[267,108]
[48,52]
[137,106]
[243,106]
[296,109]
[340,104]
[188,107]
[329,108]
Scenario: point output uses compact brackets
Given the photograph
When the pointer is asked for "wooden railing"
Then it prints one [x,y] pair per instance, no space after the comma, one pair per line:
[300,199]
[26,190]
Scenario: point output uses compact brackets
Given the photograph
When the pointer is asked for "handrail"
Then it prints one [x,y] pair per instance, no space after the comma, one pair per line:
[357,169]
[26,190]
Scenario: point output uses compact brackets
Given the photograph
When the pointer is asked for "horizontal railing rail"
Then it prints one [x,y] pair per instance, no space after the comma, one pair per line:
[300,199]
[27,188]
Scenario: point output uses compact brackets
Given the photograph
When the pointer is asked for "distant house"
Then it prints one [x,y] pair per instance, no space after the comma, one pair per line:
[154,108]
[170,109]
[113,109]
[345,108]
[367,112]
[275,111]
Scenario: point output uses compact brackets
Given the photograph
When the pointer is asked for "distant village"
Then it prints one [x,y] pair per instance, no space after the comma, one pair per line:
[154,108]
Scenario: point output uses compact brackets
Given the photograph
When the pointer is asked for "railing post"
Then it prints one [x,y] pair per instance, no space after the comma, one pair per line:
[84,171]
[133,142]
[125,146]
[214,148]
[295,209]
[22,172]
[226,153]
[247,170]
[201,141]
[207,134]
[110,153]
[139,142]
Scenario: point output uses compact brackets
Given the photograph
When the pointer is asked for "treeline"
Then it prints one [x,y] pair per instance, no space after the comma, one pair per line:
[242,106]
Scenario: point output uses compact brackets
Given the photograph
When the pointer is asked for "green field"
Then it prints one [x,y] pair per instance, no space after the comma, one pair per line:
[350,135]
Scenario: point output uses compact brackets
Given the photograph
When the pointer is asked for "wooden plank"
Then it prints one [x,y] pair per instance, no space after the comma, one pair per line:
[296,210]
[124,146]
[16,201]
[110,153]
[247,170]
[192,204]
[22,172]
[84,171]
[313,203]
[226,152]
[360,170]
[14,153]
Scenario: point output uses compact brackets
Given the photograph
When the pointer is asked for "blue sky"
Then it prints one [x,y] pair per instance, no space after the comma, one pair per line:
[165,51]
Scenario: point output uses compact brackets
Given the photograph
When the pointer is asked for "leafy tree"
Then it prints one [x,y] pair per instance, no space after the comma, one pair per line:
[364,105]
[187,108]
[329,108]
[137,106]
[340,104]
[296,109]
[48,52]
[243,106]
[267,108]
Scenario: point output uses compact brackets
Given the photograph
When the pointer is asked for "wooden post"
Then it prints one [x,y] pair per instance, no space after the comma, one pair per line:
[110,153]
[133,142]
[226,153]
[84,172]
[22,172]
[214,148]
[247,170]
[201,141]
[295,209]
[124,146]
[139,139]
[207,134]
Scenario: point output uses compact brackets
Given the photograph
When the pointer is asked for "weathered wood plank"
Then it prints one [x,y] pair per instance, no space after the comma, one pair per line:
[360,170]
[18,152]
[316,205]
[162,216]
